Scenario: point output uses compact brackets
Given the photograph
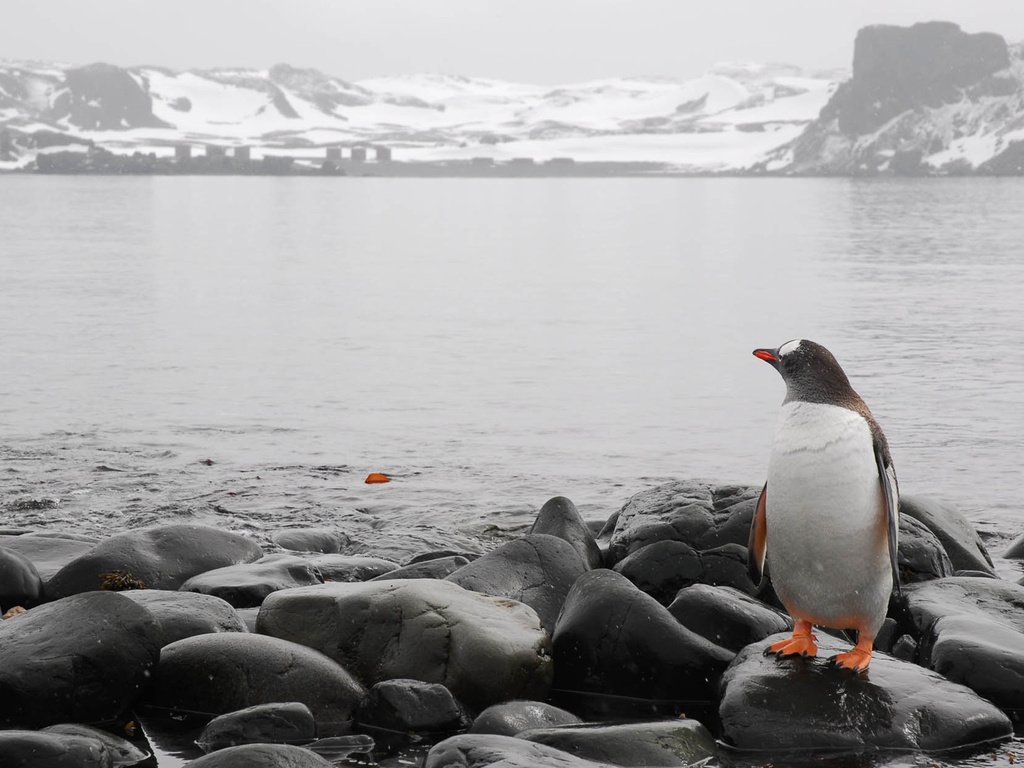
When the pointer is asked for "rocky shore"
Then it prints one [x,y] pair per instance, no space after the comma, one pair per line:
[636,641]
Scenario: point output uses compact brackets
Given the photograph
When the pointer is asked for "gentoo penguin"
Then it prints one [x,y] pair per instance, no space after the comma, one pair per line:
[827,519]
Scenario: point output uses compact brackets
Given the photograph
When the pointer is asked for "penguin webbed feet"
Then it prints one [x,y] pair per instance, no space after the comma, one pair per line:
[856,660]
[802,643]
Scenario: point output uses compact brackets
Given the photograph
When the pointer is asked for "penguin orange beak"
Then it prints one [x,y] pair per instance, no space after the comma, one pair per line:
[768,355]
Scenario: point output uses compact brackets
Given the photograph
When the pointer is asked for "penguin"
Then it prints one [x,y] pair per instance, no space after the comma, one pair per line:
[826,523]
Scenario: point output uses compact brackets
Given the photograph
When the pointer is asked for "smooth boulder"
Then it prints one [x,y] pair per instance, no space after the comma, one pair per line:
[958,537]
[512,717]
[323,540]
[246,585]
[161,558]
[35,749]
[559,517]
[351,568]
[48,552]
[19,580]
[122,751]
[437,568]
[701,514]
[289,722]
[663,568]
[921,556]
[971,631]
[614,639]
[183,614]
[83,659]
[473,750]
[727,617]
[412,706]
[261,756]
[483,649]
[225,672]
[776,706]
[535,569]
[674,742]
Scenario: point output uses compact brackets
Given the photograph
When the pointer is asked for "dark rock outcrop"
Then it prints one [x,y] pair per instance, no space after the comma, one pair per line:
[559,517]
[697,513]
[661,742]
[278,723]
[225,672]
[19,580]
[34,749]
[804,704]
[512,717]
[48,553]
[727,617]
[472,750]
[350,568]
[184,614]
[161,558]
[614,639]
[122,751]
[411,706]
[957,536]
[536,569]
[246,585]
[483,649]
[323,540]
[921,555]
[663,568]
[261,756]
[437,568]
[102,97]
[972,631]
[81,659]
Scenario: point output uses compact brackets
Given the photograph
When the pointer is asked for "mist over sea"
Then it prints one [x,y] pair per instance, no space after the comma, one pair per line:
[243,351]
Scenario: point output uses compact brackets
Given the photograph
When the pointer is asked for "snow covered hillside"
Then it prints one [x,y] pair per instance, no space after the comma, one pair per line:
[727,119]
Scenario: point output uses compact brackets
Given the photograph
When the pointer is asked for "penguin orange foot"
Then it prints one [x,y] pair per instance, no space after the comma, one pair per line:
[858,659]
[802,643]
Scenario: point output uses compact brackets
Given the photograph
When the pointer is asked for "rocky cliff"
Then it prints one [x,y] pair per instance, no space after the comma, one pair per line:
[924,99]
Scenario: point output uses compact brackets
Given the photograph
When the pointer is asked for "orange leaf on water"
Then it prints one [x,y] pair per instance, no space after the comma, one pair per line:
[377,477]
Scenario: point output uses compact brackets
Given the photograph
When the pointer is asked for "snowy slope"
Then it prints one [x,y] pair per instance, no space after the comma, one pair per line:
[726,119]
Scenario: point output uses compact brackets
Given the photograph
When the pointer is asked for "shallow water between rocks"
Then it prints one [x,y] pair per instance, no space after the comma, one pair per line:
[243,352]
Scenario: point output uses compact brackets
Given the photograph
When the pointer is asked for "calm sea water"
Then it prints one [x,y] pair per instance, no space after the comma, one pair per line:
[490,343]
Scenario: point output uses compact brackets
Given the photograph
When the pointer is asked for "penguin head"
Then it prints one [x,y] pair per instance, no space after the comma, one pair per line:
[809,370]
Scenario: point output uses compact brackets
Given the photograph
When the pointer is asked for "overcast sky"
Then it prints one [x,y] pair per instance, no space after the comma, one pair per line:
[545,41]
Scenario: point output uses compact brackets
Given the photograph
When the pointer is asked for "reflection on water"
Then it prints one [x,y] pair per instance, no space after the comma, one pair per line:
[491,343]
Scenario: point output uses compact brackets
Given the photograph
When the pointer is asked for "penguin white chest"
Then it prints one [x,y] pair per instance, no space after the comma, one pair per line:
[826,540]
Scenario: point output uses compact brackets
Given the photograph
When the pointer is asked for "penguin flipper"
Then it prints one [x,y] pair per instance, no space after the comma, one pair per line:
[890,493]
[757,543]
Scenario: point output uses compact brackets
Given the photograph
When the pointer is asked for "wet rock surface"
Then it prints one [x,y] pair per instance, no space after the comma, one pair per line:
[221,673]
[161,558]
[661,743]
[611,638]
[261,756]
[663,568]
[921,556]
[34,749]
[412,706]
[958,537]
[971,631]
[81,659]
[727,617]
[19,580]
[122,751]
[323,540]
[512,717]
[774,706]
[437,568]
[483,649]
[351,568]
[277,723]
[481,750]
[559,517]
[537,570]
[183,614]
[48,553]
[246,585]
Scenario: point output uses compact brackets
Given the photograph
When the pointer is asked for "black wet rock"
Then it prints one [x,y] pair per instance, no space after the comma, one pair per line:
[19,581]
[512,717]
[48,553]
[921,556]
[323,540]
[774,705]
[477,750]
[289,722]
[423,557]
[122,751]
[727,617]
[183,614]
[614,639]
[697,513]
[483,649]
[535,569]
[660,742]
[663,568]
[957,536]
[225,672]
[246,585]
[81,659]
[35,749]
[972,631]
[162,558]
[559,517]
[438,568]
[261,756]
[412,706]
[351,568]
